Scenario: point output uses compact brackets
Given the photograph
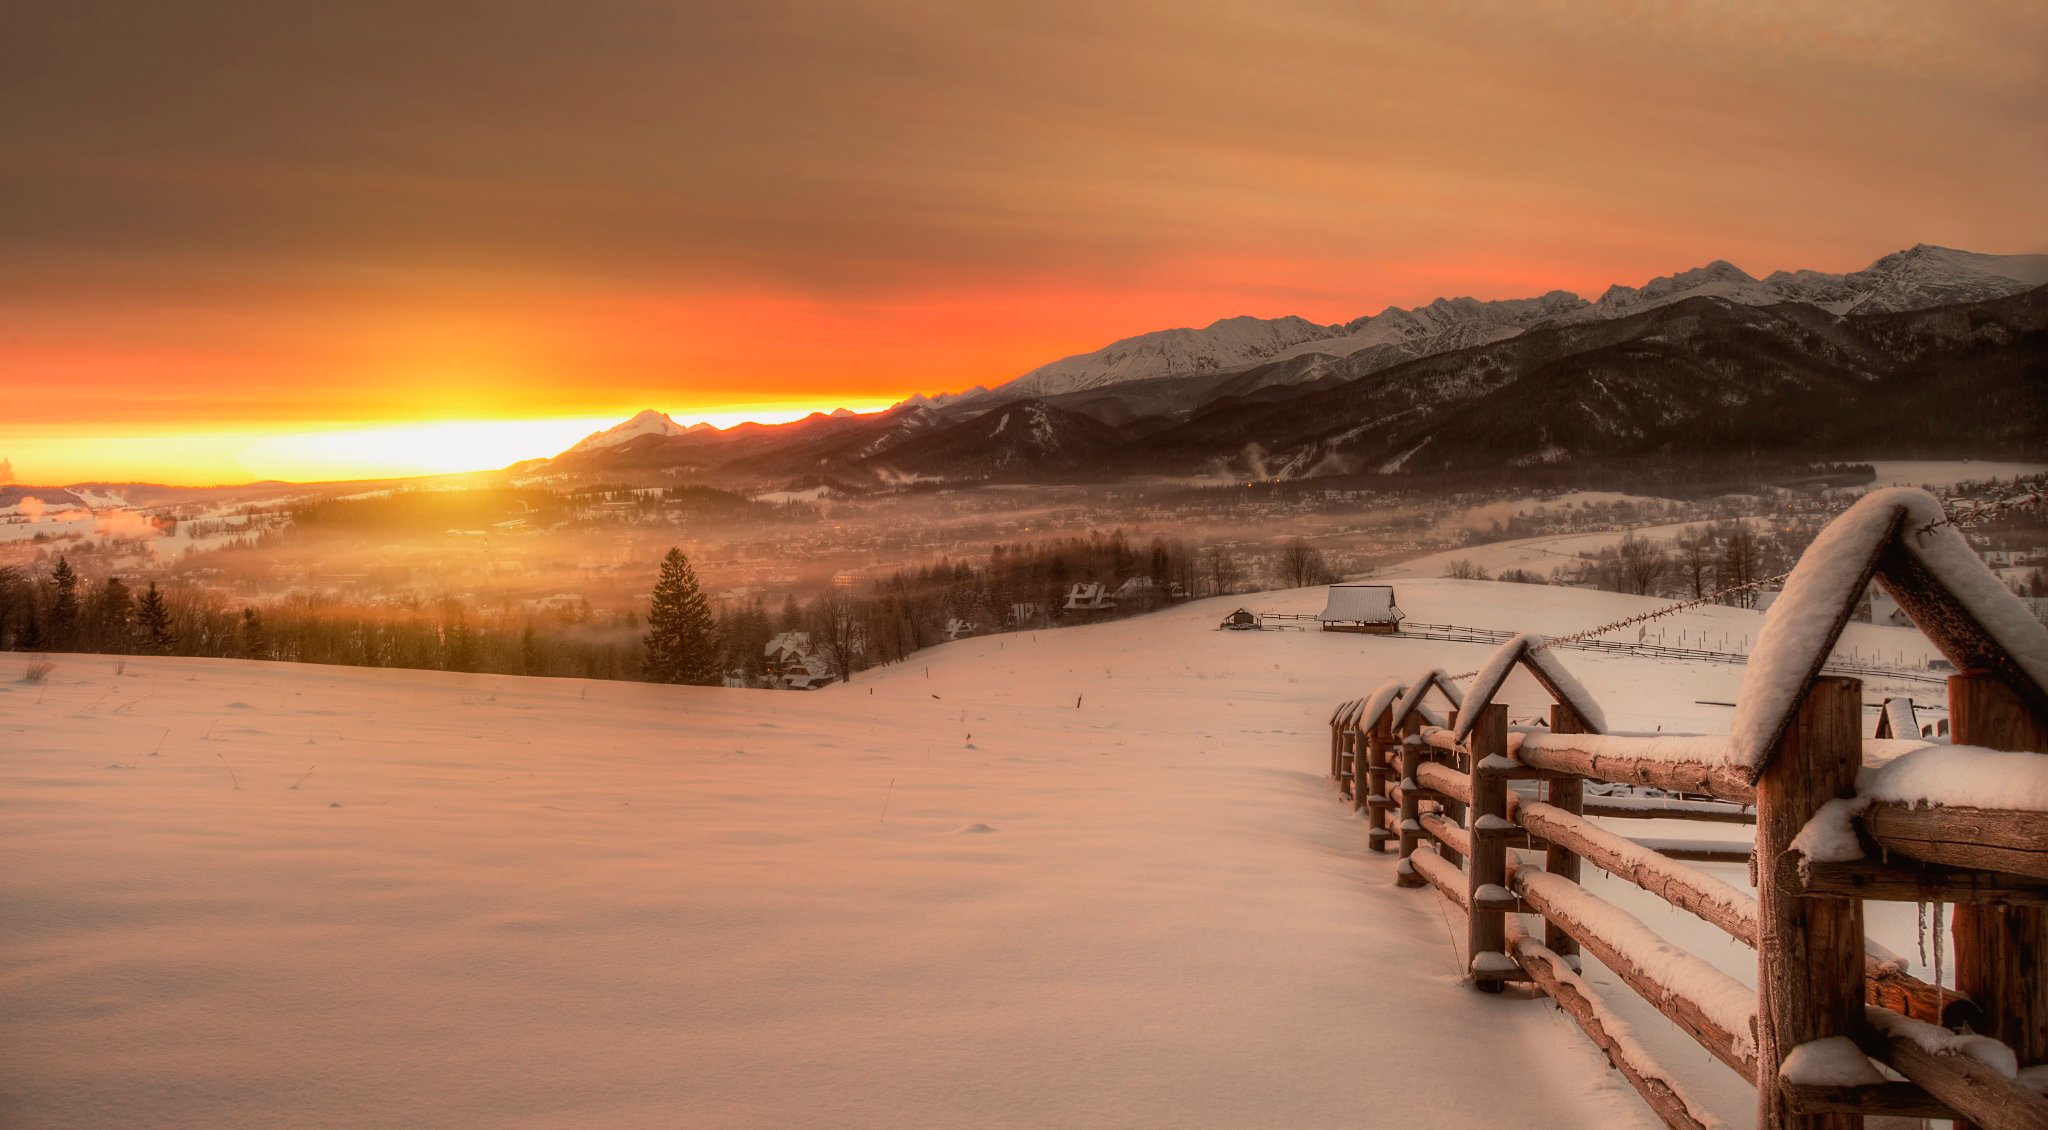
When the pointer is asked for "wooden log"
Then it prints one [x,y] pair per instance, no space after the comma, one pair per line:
[1566,794]
[1444,780]
[1732,911]
[2002,951]
[1442,874]
[1612,762]
[1439,828]
[1986,839]
[1894,1100]
[1988,1099]
[1809,951]
[1906,880]
[1557,979]
[1887,986]
[1697,851]
[1690,890]
[1377,777]
[1486,866]
[1710,811]
[1411,760]
[1613,936]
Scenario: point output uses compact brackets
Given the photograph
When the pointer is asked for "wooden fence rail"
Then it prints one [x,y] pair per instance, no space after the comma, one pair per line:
[1465,798]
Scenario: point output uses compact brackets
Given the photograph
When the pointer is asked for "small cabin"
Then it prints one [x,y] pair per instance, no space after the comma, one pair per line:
[1242,620]
[1361,608]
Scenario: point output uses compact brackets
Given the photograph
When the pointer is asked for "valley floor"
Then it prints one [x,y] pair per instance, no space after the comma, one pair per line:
[1085,877]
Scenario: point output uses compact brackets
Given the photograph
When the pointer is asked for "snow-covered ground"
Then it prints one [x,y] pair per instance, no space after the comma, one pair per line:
[1947,473]
[1091,876]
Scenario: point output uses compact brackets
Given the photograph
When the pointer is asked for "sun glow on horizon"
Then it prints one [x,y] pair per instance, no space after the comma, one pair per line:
[364,450]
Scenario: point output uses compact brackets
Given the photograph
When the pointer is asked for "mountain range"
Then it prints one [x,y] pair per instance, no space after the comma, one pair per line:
[1929,351]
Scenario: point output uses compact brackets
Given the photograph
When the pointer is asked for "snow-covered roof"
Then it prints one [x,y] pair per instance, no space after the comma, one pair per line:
[1542,663]
[1902,538]
[1371,604]
[799,642]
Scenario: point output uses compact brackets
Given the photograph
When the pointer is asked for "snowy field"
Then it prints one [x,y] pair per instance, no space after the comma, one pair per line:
[1946,473]
[1089,877]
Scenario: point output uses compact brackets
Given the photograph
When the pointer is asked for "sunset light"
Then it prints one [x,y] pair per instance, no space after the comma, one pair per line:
[1079,564]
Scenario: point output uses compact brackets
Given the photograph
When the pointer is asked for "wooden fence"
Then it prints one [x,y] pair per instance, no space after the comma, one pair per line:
[1467,800]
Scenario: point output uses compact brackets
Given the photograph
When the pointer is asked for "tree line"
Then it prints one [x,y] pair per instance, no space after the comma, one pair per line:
[885,619]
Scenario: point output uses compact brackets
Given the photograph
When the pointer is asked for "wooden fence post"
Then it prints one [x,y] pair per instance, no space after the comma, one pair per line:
[1411,810]
[1377,749]
[2002,951]
[1357,759]
[1568,793]
[1809,950]
[1486,827]
[1451,808]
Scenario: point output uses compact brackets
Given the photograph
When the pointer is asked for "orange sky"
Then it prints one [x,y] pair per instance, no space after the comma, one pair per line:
[226,223]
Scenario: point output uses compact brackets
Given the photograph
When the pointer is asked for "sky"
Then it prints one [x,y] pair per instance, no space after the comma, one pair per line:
[251,240]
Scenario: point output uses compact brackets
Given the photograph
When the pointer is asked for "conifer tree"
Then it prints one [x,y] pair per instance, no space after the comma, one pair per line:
[682,639]
[153,623]
[62,631]
[254,646]
[112,618]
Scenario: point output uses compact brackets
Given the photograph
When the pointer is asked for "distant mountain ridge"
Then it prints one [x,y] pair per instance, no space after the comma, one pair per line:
[1916,278]
[1680,376]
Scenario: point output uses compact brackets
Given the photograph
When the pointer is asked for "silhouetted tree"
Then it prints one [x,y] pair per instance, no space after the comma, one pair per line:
[153,623]
[682,641]
[62,631]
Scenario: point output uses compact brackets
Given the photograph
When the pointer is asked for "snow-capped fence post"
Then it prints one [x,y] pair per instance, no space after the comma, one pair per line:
[1337,747]
[1355,752]
[1809,950]
[2002,951]
[1378,748]
[1487,826]
[1411,810]
[1568,793]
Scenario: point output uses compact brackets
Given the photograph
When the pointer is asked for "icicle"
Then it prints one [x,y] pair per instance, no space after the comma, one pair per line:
[1940,926]
[1921,909]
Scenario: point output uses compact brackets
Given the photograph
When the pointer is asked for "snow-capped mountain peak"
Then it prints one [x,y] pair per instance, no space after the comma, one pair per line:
[648,422]
[1916,278]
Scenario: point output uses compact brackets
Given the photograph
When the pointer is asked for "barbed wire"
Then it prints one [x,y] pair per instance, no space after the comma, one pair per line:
[1961,516]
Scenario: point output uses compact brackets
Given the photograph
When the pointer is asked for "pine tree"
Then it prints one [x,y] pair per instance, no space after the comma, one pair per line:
[153,623]
[62,631]
[112,619]
[529,652]
[254,646]
[682,639]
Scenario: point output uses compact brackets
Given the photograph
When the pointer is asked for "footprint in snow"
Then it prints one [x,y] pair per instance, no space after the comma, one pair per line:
[334,804]
[974,830]
[240,706]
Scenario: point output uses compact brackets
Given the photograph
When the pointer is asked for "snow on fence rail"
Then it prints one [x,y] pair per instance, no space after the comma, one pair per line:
[1468,800]
[1457,633]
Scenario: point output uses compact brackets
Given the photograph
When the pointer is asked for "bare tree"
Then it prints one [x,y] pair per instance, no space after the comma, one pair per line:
[838,634]
[1302,565]
[1696,563]
[1466,569]
[1741,564]
[1220,570]
[1640,565]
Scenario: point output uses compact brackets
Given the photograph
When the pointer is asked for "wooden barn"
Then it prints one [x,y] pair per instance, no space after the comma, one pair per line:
[1361,608]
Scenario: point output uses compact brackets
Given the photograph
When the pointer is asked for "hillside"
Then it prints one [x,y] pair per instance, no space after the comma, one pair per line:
[1672,375]
[1913,279]
[1077,877]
